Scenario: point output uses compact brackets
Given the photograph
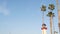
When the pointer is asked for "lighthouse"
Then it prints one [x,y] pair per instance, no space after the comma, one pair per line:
[44,29]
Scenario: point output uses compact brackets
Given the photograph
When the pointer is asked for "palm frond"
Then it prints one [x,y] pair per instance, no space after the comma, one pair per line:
[51,7]
[43,8]
[50,13]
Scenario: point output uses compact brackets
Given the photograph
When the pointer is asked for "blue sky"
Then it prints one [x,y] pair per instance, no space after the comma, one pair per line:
[24,16]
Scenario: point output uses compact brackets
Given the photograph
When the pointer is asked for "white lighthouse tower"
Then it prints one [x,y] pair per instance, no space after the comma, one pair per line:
[44,28]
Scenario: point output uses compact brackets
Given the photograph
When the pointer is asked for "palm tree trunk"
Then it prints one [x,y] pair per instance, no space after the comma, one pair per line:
[59,20]
[43,18]
[53,27]
[51,24]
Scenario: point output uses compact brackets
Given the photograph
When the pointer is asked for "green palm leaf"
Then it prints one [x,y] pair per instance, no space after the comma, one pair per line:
[50,13]
[43,8]
[51,7]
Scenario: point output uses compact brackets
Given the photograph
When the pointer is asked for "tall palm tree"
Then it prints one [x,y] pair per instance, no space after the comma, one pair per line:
[51,15]
[43,8]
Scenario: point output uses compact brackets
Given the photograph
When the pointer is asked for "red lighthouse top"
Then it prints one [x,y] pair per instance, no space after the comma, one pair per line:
[44,26]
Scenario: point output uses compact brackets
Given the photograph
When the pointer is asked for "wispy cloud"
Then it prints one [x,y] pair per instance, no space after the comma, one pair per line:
[3,8]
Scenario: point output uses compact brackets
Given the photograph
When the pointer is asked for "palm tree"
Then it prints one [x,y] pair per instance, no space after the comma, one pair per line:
[51,15]
[51,7]
[43,8]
